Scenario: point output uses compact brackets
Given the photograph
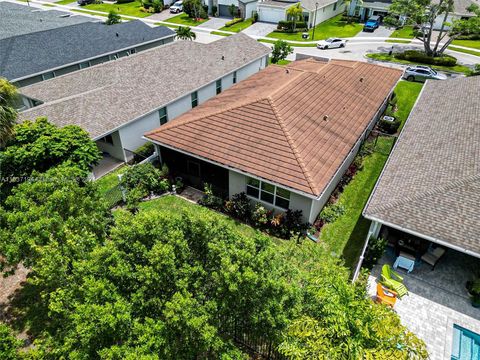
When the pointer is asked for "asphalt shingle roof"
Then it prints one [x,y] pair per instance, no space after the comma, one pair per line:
[16,19]
[431,183]
[25,55]
[104,97]
[291,125]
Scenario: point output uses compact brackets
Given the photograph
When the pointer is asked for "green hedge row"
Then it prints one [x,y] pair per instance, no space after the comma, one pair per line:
[421,57]
[233,22]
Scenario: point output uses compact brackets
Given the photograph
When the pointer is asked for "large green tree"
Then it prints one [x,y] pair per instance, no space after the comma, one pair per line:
[40,145]
[424,14]
[8,113]
[9,344]
[169,286]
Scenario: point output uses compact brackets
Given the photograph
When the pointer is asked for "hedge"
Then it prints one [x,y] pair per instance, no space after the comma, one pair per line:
[124,1]
[288,25]
[232,22]
[421,57]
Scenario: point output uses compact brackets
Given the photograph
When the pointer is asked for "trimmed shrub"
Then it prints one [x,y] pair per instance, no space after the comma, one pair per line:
[421,57]
[146,177]
[287,26]
[375,250]
[389,127]
[124,1]
[468,37]
[331,212]
[239,207]
[260,216]
[143,152]
[209,199]
[232,22]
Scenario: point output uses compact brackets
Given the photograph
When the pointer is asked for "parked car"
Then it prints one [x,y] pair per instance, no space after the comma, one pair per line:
[422,73]
[372,23]
[331,43]
[85,2]
[177,7]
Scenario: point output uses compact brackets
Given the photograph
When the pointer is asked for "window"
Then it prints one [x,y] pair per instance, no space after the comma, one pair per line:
[133,51]
[194,99]
[234,77]
[49,75]
[219,86]
[162,113]
[334,6]
[84,65]
[107,139]
[268,193]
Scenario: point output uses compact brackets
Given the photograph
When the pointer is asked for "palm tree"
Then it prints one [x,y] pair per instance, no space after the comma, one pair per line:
[185,33]
[295,13]
[8,113]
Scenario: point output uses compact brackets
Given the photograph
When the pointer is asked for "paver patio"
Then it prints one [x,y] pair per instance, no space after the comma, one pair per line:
[437,300]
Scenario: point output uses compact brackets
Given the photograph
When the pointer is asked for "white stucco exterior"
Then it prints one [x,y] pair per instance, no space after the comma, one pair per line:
[271,14]
[129,136]
[326,13]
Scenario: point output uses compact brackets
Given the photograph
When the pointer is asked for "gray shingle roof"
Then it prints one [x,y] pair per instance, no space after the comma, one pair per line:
[431,183]
[16,19]
[25,55]
[104,97]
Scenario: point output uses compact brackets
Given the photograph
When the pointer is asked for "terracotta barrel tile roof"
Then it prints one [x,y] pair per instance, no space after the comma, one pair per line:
[291,125]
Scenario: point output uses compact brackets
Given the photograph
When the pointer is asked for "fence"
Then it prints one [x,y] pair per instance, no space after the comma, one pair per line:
[113,196]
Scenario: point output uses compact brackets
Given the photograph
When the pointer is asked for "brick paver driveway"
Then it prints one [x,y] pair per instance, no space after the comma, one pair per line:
[260,29]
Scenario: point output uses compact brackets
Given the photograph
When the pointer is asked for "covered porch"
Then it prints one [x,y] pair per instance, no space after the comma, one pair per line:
[438,299]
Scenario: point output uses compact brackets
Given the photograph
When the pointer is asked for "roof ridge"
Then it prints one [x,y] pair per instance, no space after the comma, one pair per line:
[433,191]
[293,147]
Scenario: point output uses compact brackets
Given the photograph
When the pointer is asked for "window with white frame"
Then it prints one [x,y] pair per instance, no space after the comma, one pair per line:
[162,113]
[268,193]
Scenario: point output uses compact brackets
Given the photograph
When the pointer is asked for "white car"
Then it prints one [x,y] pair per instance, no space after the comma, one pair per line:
[177,7]
[422,73]
[331,43]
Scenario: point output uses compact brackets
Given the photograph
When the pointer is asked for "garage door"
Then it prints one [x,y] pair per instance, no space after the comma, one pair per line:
[271,15]
[223,11]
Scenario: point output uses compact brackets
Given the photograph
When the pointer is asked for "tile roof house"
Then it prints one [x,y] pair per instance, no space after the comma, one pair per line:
[118,101]
[17,19]
[291,131]
[275,10]
[29,58]
[430,186]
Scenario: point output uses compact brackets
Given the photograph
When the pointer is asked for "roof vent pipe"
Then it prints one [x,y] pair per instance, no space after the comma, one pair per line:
[361,79]
[325,117]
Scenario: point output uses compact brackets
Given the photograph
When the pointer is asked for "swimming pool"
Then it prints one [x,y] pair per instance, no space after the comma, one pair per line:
[466,344]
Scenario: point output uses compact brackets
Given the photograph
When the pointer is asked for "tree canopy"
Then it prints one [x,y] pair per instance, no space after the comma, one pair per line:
[39,145]
[281,49]
[424,14]
[8,113]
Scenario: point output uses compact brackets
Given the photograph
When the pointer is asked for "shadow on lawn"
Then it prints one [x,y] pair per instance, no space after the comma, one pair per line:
[354,245]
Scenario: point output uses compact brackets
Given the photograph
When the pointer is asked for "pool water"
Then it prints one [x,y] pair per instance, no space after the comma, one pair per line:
[466,344]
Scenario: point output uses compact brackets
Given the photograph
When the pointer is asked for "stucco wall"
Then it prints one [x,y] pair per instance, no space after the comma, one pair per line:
[325,13]
[115,150]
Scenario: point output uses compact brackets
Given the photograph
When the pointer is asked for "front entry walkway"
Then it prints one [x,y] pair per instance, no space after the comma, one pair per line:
[437,300]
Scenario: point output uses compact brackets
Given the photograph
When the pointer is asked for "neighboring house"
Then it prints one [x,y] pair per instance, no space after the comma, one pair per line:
[426,204]
[285,136]
[42,55]
[430,186]
[366,8]
[118,101]
[314,13]
[246,8]
[16,19]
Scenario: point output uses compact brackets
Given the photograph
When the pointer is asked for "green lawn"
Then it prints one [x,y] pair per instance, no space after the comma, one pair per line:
[333,27]
[399,41]
[108,181]
[177,204]
[471,52]
[347,234]
[280,62]
[129,9]
[242,25]
[407,93]
[475,44]
[406,32]
[64,2]
[389,58]
[183,19]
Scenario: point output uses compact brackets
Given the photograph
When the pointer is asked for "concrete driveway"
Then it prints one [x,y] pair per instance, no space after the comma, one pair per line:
[382,31]
[214,23]
[162,16]
[260,29]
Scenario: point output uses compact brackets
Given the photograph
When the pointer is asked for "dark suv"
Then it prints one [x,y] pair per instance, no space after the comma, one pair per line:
[372,23]
[85,2]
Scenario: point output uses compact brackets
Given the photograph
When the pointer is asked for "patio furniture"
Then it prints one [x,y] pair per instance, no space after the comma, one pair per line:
[386,296]
[405,261]
[432,255]
[393,281]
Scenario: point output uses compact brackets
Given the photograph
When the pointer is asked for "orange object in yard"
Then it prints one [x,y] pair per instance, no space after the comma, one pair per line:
[386,296]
